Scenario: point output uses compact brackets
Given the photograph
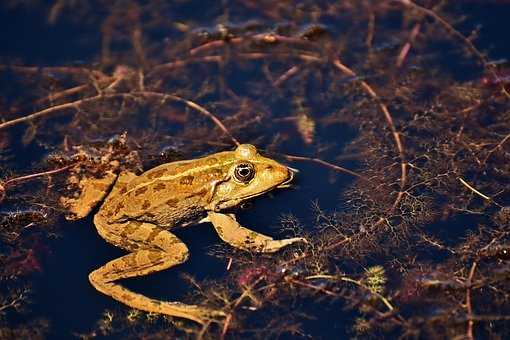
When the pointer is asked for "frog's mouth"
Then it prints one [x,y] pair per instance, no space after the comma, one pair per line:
[287,184]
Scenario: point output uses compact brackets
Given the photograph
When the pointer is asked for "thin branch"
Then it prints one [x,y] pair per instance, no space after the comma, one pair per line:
[469,307]
[322,162]
[370,27]
[356,282]
[307,57]
[497,147]
[10,182]
[407,46]
[13,303]
[247,292]
[286,75]
[482,195]
[163,96]
[48,111]
[308,285]
[265,38]
[39,174]
[205,112]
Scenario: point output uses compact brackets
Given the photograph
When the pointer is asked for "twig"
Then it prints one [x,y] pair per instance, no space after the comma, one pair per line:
[10,182]
[246,293]
[307,285]
[49,69]
[407,46]
[13,303]
[103,82]
[474,190]
[469,307]
[226,325]
[39,174]
[205,112]
[214,44]
[267,38]
[163,96]
[370,27]
[482,195]
[61,94]
[322,162]
[48,111]
[289,73]
[356,282]
[156,70]
[181,63]
[497,147]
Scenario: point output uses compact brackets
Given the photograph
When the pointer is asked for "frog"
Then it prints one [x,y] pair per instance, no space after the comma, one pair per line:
[140,211]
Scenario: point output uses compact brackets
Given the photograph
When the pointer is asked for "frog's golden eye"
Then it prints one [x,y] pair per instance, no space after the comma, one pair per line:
[244,172]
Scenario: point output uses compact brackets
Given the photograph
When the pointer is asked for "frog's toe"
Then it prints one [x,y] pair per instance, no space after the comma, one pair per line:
[216,315]
[199,314]
[206,315]
[299,239]
[289,241]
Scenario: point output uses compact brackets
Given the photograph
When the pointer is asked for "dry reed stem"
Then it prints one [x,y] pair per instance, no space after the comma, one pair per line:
[370,27]
[48,69]
[163,96]
[10,182]
[497,147]
[156,70]
[286,75]
[469,307]
[205,112]
[48,111]
[325,163]
[266,38]
[62,94]
[474,190]
[407,46]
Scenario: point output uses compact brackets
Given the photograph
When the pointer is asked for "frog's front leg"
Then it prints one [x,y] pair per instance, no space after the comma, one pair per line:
[237,236]
[152,249]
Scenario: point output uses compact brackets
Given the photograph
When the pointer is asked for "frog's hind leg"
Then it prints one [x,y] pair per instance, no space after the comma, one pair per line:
[153,249]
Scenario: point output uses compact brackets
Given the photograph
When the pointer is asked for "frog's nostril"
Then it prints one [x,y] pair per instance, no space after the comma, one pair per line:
[269,168]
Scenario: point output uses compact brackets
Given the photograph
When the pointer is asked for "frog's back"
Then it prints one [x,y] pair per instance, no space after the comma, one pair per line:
[170,194]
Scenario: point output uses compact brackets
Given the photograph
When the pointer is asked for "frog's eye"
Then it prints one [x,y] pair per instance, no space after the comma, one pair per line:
[244,172]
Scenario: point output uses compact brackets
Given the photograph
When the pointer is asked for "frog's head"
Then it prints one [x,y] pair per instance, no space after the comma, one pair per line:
[250,175]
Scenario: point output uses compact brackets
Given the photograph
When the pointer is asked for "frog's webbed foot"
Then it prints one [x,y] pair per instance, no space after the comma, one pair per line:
[154,249]
[237,236]
[93,191]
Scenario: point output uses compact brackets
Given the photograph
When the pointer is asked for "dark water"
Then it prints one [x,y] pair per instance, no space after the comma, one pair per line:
[62,293]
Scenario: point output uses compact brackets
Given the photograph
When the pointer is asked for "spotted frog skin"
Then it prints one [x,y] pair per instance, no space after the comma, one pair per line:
[139,211]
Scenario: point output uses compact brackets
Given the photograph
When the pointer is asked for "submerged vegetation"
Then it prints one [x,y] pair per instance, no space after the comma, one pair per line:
[404,103]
